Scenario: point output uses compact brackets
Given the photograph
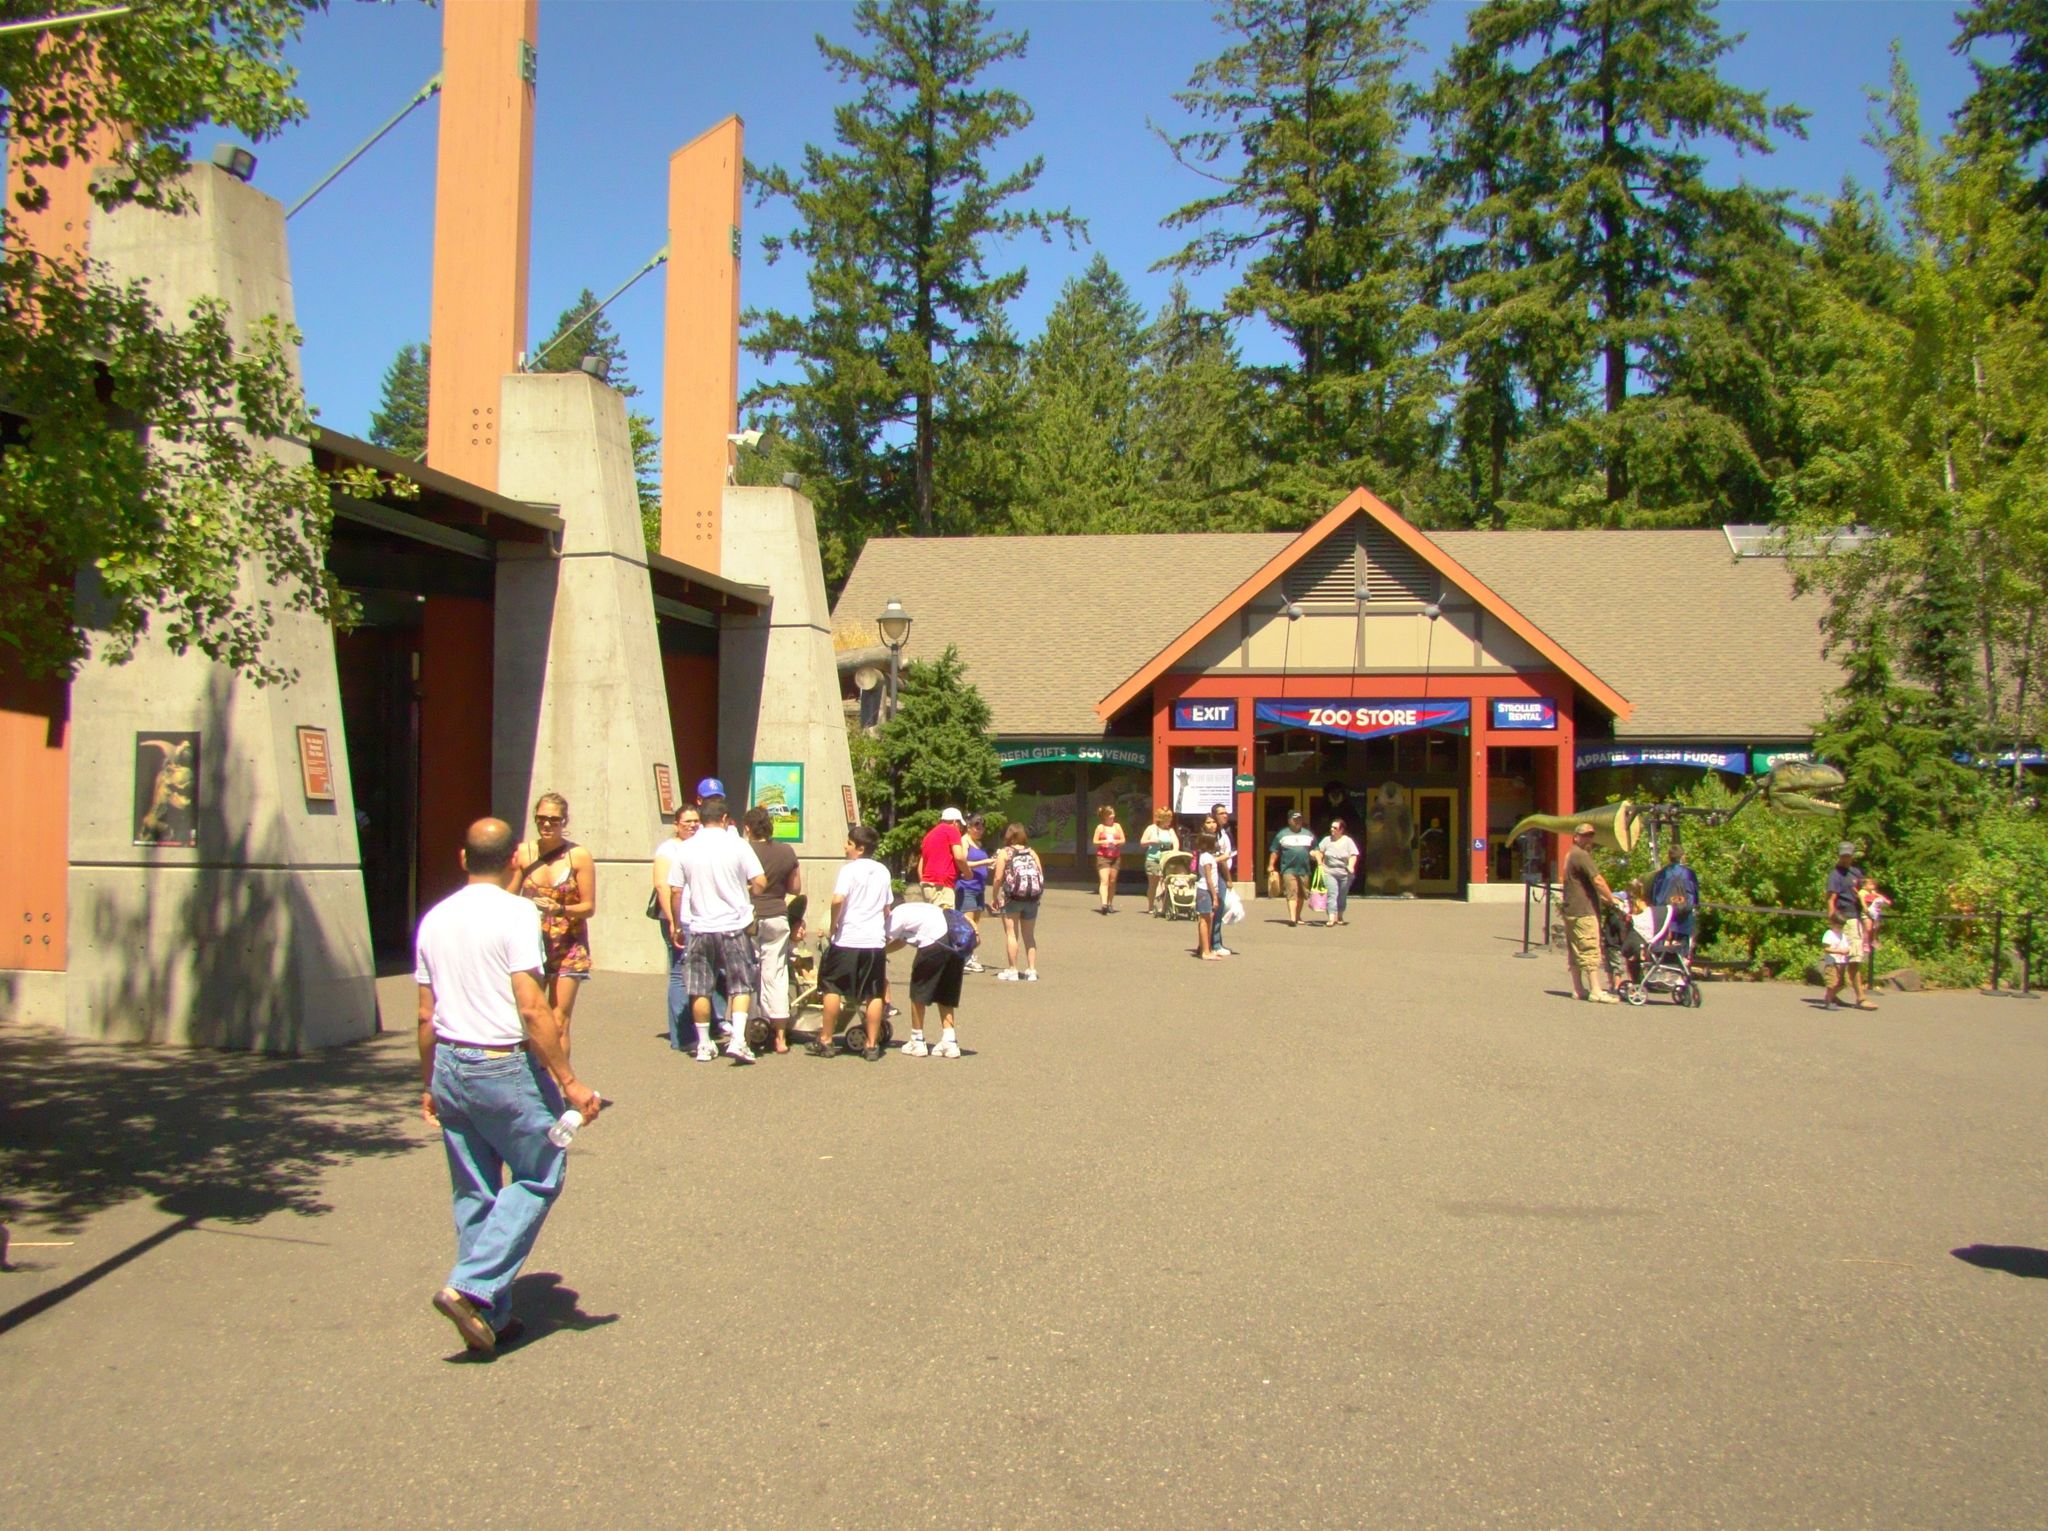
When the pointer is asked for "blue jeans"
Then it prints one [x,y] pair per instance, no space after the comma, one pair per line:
[495,1113]
[1337,892]
[681,1030]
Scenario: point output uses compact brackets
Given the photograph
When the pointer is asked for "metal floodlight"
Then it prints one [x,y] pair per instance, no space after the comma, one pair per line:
[1292,611]
[792,480]
[593,364]
[1432,611]
[894,624]
[235,160]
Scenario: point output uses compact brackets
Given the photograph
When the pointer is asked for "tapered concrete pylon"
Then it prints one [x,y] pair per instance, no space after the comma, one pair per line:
[257,936]
[580,707]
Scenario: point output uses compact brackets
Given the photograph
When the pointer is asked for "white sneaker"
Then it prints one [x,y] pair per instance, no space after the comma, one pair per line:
[973,967]
[915,1048]
[1009,975]
[738,1050]
[1223,951]
[947,1048]
[1031,975]
[707,1051]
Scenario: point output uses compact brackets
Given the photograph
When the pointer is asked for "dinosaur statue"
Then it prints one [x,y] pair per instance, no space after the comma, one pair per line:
[1794,787]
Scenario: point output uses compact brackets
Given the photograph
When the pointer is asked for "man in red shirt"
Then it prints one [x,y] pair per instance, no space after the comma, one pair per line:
[942,858]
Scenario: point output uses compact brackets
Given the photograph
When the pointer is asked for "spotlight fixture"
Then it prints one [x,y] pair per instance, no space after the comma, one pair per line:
[792,480]
[235,160]
[593,364]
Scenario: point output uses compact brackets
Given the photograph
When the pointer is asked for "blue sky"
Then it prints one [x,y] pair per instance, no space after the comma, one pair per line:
[623,83]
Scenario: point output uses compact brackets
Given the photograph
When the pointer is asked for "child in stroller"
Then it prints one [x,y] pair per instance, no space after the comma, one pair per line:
[1655,950]
[1177,885]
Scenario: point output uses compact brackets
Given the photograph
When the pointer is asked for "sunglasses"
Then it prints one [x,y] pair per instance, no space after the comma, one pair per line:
[550,818]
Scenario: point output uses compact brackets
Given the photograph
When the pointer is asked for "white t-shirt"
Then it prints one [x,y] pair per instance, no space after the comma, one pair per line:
[917,924]
[469,946]
[1338,854]
[668,850]
[863,921]
[713,871]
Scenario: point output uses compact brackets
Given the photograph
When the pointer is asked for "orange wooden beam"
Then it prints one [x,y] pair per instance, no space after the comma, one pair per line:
[701,354]
[483,223]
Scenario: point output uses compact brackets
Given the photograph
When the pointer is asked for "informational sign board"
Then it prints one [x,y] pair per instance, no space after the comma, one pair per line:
[1010,755]
[665,790]
[1348,718]
[166,788]
[1247,783]
[778,786]
[846,798]
[1517,713]
[316,766]
[1197,714]
[1595,758]
[1197,789]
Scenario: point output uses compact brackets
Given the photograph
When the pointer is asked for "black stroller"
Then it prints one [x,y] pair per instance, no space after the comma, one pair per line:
[1640,968]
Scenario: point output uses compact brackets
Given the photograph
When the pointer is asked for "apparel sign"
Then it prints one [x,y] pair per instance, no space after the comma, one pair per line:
[1525,713]
[1350,719]
[1198,713]
[1086,754]
[1735,761]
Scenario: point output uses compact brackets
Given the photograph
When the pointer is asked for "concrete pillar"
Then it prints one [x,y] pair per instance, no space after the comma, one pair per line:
[258,936]
[701,352]
[778,677]
[580,707]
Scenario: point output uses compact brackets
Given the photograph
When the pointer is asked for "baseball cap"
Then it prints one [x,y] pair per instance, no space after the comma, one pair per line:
[954,814]
[1846,848]
[711,786]
[1584,829]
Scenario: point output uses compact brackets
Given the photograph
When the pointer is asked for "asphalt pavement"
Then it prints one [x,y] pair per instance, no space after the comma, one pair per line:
[1364,1227]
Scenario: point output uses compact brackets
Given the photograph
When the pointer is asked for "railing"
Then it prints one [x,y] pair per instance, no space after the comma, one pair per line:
[1996,918]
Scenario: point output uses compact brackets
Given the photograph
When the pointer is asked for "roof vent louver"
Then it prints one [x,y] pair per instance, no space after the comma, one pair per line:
[1394,572]
[1328,575]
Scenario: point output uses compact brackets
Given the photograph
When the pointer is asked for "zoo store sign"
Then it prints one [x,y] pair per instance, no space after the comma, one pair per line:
[1351,719]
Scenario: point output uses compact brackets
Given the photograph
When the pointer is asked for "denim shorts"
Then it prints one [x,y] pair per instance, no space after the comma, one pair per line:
[971,900]
[1020,909]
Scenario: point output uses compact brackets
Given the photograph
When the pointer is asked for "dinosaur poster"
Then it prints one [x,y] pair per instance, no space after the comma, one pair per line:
[167,788]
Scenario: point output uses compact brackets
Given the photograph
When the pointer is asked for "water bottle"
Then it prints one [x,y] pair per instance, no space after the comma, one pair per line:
[565,1129]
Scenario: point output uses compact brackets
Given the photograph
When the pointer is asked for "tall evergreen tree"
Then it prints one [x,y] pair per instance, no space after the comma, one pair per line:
[399,422]
[1593,108]
[981,464]
[577,333]
[1193,436]
[1317,206]
[1079,468]
[897,224]
[2011,98]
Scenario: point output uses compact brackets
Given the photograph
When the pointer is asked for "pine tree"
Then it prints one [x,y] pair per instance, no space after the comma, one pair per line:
[1579,117]
[1319,208]
[1079,458]
[937,751]
[981,461]
[1193,437]
[399,423]
[895,225]
[2011,98]
[578,333]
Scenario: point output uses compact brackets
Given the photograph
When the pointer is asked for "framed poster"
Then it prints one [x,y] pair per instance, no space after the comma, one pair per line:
[1197,789]
[167,788]
[665,790]
[846,797]
[778,786]
[316,766]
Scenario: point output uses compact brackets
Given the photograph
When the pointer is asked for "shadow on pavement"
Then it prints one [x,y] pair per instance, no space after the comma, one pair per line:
[2013,1259]
[228,1137]
[544,1305]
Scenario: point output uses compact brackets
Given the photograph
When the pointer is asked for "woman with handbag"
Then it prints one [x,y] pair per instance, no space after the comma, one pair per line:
[1158,841]
[1336,856]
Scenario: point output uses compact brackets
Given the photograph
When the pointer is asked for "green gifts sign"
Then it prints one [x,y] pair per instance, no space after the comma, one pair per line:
[778,786]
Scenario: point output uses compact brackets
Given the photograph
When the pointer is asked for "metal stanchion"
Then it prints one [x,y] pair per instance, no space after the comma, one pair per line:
[1528,909]
[1997,945]
[2027,953]
[1546,916]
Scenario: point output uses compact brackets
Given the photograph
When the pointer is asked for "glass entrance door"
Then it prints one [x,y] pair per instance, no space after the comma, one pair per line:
[1274,804]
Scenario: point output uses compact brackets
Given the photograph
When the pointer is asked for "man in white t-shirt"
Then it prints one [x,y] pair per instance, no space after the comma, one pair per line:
[686,825]
[934,973]
[712,884]
[857,968]
[496,1069]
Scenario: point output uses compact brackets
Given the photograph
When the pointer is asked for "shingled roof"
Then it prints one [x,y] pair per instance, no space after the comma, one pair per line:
[1704,644]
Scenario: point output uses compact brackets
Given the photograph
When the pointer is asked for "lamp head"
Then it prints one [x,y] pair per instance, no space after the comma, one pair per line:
[894,624]
[1292,611]
[235,160]
[1432,611]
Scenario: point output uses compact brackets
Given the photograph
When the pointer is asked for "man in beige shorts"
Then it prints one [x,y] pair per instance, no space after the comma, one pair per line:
[1585,894]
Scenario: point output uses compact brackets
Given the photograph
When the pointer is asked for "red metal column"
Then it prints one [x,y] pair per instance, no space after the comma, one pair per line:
[1475,795]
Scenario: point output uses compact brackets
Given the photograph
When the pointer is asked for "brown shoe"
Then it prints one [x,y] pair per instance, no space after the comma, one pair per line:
[474,1328]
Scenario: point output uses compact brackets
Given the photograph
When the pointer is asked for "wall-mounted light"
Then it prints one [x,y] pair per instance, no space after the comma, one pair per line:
[593,364]
[235,160]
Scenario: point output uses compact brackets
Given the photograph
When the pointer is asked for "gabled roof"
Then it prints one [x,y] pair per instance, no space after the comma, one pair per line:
[1364,502]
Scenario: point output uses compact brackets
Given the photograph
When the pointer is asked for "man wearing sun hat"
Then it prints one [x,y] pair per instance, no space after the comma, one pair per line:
[942,858]
[1585,894]
[1844,878]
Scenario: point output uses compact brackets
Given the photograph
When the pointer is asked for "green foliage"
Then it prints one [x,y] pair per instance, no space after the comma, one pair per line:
[2011,98]
[936,752]
[399,423]
[578,333]
[133,457]
[896,225]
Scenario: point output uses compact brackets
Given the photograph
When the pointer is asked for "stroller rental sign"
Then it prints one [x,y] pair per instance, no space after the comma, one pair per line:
[1349,718]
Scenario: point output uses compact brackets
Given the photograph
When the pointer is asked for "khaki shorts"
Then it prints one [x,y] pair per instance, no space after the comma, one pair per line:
[938,894]
[1293,884]
[1583,932]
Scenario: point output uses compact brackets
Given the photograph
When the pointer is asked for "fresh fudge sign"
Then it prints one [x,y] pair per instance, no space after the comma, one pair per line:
[1352,719]
[1199,713]
[1525,713]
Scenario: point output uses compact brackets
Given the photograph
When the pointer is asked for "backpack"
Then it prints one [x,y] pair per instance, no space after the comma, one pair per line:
[960,933]
[1023,877]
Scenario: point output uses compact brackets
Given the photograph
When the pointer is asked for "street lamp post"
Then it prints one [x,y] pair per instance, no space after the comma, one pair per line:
[894,626]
